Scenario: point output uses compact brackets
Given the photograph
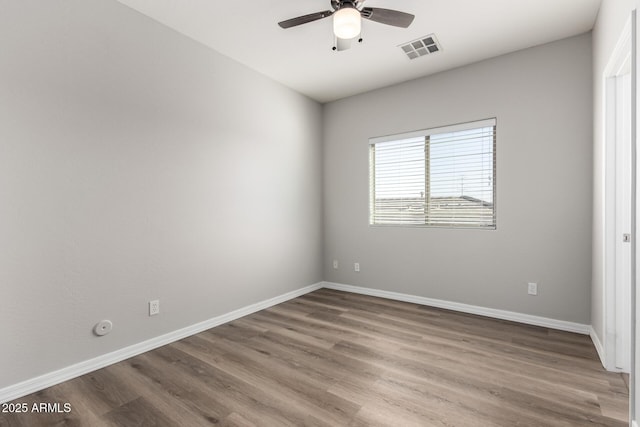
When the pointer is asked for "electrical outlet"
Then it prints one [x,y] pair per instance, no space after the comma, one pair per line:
[154,307]
[532,288]
[356,267]
[335,264]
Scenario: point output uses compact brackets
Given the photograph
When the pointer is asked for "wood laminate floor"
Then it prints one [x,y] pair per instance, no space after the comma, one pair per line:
[331,358]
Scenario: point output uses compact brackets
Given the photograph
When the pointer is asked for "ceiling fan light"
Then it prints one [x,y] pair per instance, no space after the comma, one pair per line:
[347,23]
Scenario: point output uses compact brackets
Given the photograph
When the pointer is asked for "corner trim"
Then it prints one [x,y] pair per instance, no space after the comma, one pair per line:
[598,345]
[528,319]
[56,377]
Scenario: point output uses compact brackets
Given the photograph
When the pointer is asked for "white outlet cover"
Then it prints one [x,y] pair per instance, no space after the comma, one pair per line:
[154,307]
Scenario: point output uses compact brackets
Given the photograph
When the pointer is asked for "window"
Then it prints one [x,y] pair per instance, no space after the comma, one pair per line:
[442,177]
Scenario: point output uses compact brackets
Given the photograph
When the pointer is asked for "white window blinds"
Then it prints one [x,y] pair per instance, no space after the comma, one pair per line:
[442,177]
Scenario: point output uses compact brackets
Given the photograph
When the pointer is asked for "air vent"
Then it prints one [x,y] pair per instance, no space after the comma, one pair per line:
[421,47]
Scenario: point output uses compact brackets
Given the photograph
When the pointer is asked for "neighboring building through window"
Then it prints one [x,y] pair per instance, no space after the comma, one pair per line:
[441,177]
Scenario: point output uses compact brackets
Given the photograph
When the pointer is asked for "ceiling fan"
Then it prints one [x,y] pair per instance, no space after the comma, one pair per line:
[347,20]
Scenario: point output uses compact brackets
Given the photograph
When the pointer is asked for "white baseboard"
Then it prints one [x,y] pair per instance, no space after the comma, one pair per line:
[466,308]
[50,379]
[634,423]
[598,345]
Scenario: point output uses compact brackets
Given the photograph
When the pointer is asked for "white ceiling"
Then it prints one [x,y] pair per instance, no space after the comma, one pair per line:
[301,57]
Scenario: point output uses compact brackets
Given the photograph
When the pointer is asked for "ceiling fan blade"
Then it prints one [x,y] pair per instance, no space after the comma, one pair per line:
[387,16]
[293,22]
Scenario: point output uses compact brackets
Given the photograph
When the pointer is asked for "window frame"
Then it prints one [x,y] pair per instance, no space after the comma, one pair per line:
[426,134]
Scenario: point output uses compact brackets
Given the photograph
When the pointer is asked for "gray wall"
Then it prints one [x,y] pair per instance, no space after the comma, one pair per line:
[137,164]
[542,98]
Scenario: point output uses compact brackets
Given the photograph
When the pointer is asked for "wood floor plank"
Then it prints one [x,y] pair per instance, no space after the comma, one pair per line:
[180,387]
[168,400]
[237,420]
[267,373]
[137,413]
[231,389]
[331,358]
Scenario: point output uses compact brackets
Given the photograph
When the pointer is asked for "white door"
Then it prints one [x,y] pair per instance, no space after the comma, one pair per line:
[623,219]
[619,209]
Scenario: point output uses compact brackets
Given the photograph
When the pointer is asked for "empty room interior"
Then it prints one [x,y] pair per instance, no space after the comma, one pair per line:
[326,213]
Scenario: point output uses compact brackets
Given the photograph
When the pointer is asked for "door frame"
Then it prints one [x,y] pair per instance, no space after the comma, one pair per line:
[620,60]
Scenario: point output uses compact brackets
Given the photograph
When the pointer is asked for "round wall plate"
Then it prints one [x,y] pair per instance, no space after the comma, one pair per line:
[103,327]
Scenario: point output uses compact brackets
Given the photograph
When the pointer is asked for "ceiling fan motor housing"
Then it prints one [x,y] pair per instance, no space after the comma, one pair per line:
[339,4]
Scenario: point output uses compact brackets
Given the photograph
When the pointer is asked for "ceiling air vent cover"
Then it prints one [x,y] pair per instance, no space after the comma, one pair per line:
[421,47]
